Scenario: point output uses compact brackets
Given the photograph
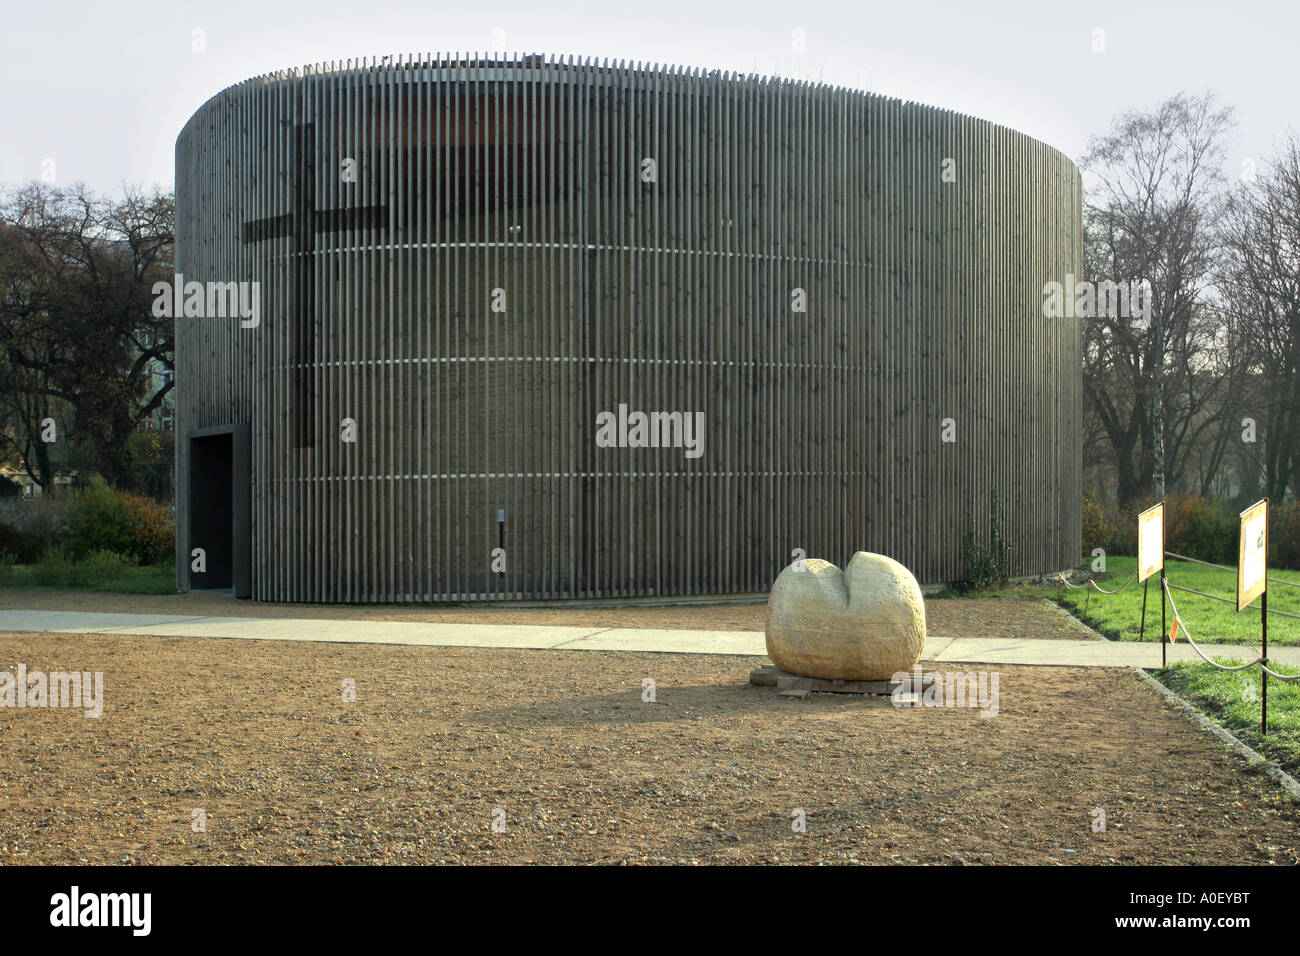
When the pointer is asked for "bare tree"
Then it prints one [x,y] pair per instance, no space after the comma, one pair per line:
[1261,282]
[77,333]
[1155,192]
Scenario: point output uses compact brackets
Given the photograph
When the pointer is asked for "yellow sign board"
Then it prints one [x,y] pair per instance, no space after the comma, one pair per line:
[1252,555]
[1151,541]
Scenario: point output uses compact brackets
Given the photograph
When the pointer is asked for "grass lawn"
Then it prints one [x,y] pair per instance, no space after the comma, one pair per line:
[1211,622]
[96,573]
[1233,699]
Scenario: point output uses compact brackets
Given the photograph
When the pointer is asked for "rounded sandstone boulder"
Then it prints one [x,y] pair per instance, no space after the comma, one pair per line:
[863,623]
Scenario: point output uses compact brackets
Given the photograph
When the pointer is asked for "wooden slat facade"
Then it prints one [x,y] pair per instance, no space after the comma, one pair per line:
[823,428]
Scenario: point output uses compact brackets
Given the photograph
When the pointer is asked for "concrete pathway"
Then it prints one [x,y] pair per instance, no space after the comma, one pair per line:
[938,649]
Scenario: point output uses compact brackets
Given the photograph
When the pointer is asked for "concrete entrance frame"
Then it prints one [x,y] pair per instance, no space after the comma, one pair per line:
[220,487]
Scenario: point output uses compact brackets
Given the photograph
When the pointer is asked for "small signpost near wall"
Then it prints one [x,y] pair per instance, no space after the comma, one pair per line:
[1151,558]
[1252,582]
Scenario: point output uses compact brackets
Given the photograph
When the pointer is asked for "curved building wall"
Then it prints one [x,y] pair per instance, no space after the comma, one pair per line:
[461,264]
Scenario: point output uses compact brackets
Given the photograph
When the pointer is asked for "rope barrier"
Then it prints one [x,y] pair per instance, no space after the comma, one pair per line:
[1178,587]
[1282,677]
[1118,589]
[1224,567]
[1215,597]
[1168,591]
[1090,581]
[1183,624]
[1212,597]
[1287,678]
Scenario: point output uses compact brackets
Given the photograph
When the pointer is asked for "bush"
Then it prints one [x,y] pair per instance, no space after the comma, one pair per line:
[1107,527]
[9,537]
[58,570]
[98,519]
[1201,529]
[1100,525]
[1284,535]
[32,527]
[127,525]
[153,530]
[106,564]
[984,569]
[1196,526]
[21,545]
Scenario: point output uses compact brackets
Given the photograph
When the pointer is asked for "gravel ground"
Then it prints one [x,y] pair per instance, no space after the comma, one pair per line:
[258,735]
[969,617]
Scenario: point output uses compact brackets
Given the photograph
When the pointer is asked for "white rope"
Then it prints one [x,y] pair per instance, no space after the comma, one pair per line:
[1282,677]
[1077,587]
[1179,619]
[1118,589]
[1090,581]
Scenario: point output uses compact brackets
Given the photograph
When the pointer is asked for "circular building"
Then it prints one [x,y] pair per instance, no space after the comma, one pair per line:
[530,328]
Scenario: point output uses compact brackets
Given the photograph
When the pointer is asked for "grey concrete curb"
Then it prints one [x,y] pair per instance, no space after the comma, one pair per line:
[1250,754]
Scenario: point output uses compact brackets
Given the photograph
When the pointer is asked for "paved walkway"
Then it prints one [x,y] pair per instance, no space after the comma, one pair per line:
[1076,653]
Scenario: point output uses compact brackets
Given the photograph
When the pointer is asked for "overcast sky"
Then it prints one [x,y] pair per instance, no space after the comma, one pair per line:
[103,88]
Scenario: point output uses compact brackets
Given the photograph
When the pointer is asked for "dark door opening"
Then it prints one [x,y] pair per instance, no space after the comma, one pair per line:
[219,510]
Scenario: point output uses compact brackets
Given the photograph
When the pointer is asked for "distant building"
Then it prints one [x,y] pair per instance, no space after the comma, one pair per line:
[27,486]
[156,376]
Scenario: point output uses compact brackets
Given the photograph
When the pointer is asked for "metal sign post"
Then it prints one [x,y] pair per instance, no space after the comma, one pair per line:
[1263,628]
[1164,632]
[1142,628]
